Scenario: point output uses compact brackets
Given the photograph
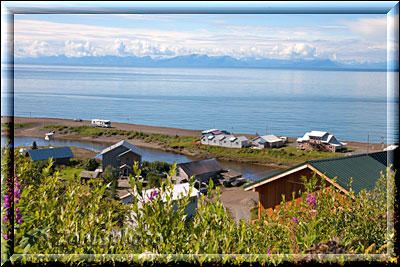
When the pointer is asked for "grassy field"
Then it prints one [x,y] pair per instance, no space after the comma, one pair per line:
[69,173]
[284,155]
[5,126]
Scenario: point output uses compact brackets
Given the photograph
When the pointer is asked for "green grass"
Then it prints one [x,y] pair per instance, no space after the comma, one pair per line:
[284,155]
[6,125]
[68,173]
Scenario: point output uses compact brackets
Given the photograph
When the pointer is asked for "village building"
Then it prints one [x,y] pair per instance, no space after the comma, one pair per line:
[321,141]
[268,141]
[121,156]
[216,137]
[60,155]
[179,191]
[203,170]
[88,175]
[363,169]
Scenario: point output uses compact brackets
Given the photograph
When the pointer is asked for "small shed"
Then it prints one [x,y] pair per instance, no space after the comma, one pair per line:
[202,169]
[268,141]
[60,155]
[88,175]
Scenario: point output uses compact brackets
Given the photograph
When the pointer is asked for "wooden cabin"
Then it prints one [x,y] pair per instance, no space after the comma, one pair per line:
[364,169]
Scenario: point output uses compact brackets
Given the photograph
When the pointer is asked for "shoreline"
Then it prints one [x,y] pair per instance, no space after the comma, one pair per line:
[34,128]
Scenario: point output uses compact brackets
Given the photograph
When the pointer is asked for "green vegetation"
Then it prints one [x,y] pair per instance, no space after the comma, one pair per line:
[70,173]
[284,155]
[34,145]
[66,221]
[91,164]
[155,172]
[5,126]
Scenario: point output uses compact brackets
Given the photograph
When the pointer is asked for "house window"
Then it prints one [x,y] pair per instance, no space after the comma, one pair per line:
[237,143]
[330,147]
[225,142]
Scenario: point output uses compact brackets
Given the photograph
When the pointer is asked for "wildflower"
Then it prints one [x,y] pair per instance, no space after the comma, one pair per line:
[269,252]
[5,219]
[153,194]
[311,200]
[19,221]
[294,219]
[6,237]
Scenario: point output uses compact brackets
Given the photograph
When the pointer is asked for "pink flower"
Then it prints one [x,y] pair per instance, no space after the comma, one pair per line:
[311,200]
[294,219]
[153,194]
[6,237]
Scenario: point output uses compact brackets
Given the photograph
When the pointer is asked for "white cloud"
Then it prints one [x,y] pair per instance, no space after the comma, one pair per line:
[34,49]
[357,40]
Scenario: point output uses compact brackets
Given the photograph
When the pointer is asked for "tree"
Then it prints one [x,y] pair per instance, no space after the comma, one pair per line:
[34,146]
[110,176]
[91,164]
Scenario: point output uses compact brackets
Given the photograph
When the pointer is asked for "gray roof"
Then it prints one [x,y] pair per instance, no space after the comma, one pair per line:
[90,174]
[55,153]
[200,167]
[124,144]
[270,138]
[242,138]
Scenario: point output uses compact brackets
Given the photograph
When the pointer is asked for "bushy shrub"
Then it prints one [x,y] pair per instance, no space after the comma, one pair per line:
[91,164]
[70,219]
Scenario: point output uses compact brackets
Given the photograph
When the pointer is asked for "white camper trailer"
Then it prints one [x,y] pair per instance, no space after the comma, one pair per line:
[101,123]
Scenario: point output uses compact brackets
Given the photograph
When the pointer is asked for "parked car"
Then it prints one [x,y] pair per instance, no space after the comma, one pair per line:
[77,120]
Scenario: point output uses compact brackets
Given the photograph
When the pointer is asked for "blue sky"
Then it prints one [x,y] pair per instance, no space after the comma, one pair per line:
[340,37]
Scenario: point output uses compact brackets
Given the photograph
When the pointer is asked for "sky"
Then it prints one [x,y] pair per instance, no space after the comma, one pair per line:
[339,37]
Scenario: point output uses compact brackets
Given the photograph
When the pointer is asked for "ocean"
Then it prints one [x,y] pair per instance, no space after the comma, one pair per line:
[352,105]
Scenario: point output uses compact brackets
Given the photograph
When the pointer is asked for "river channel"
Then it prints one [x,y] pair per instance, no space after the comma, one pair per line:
[250,172]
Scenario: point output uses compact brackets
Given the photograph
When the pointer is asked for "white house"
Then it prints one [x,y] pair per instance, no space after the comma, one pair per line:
[216,137]
[266,141]
[318,140]
[179,191]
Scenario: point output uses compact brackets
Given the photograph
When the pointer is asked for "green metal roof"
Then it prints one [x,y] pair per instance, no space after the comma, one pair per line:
[363,168]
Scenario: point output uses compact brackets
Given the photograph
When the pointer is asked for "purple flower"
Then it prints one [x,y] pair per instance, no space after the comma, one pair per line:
[5,219]
[311,200]
[17,210]
[153,194]
[19,221]
[269,252]
[6,237]
[294,219]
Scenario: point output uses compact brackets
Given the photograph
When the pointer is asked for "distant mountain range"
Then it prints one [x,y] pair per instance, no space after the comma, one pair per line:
[196,60]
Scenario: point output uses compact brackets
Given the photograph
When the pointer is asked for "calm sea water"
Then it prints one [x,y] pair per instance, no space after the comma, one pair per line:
[349,104]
